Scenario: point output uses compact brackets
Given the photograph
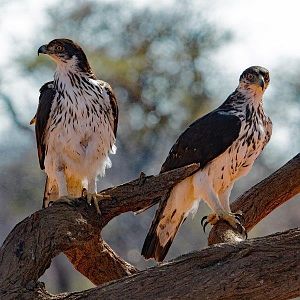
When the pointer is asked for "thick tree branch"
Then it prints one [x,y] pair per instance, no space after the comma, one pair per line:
[99,266]
[261,200]
[262,268]
[221,271]
[270,193]
[29,248]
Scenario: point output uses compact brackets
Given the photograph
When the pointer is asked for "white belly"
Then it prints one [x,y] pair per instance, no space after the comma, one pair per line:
[234,163]
[81,148]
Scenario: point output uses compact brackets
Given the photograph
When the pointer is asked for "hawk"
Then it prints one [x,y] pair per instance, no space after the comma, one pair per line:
[75,125]
[225,143]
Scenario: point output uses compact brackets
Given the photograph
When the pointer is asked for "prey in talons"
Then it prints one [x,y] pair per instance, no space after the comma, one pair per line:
[235,220]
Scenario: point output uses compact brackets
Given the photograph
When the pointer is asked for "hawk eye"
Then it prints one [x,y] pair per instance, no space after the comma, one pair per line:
[250,76]
[59,48]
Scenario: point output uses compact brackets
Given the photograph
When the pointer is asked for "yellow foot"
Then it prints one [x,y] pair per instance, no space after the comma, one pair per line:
[94,198]
[233,219]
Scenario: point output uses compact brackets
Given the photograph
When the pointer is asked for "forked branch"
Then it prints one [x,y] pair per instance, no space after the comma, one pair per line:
[249,269]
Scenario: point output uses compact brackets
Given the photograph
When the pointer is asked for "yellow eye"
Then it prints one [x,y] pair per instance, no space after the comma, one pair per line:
[59,48]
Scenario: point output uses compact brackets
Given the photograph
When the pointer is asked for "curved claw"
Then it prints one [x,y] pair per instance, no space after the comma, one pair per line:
[240,217]
[202,220]
[242,230]
[205,224]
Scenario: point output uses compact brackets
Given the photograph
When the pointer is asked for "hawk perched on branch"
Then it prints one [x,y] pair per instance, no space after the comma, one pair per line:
[225,143]
[75,125]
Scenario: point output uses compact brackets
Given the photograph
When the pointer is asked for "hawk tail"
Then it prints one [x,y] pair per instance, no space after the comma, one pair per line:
[172,212]
[154,246]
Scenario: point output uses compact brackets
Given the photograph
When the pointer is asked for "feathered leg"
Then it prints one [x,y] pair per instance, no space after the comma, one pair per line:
[219,206]
[224,198]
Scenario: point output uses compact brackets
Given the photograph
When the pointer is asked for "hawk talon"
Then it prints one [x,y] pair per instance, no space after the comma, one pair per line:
[204,226]
[95,199]
[210,219]
[83,193]
[242,230]
[239,216]
[202,220]
[233,219]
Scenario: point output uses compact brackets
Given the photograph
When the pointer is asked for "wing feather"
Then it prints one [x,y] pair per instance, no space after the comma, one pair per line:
[113,104]
[203,140]
[47,94]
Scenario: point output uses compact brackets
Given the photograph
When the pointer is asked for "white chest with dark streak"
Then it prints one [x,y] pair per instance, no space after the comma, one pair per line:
[75,125]
[80,135]
[238,159]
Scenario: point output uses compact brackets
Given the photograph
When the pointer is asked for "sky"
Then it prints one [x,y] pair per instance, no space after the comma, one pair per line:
[264,32]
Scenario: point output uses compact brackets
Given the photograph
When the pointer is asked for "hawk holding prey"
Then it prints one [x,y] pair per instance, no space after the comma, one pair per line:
[75,125]
[225,143]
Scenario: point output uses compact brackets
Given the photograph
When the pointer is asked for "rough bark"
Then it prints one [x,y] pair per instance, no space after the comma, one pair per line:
[27,251]
[262,268]
[255,269]
[99,266]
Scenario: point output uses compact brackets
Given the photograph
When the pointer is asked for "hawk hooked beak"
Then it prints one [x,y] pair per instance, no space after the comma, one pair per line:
[43,50]
[261,81]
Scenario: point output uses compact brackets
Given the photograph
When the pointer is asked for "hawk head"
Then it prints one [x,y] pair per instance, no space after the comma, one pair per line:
[66,54]
[255,78]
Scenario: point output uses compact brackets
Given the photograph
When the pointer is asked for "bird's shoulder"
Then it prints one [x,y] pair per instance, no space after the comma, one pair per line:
[46,87]
[205,139]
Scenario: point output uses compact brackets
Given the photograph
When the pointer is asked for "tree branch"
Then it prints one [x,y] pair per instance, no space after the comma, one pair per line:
[27,251]
[98,262]
[262,268]
[221,271]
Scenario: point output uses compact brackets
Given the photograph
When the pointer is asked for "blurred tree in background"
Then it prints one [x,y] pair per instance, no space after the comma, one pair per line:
[158,63]
[154,60]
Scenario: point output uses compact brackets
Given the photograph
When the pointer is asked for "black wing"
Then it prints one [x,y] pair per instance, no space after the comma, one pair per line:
[113,104]
[204,140]
[47,94]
